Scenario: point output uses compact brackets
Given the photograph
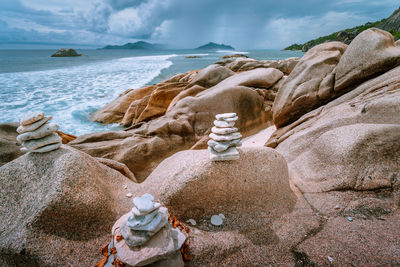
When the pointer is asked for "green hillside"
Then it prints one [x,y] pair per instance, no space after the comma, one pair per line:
[390,24]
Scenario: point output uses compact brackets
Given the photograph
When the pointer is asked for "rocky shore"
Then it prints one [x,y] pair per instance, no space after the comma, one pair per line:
[323,190]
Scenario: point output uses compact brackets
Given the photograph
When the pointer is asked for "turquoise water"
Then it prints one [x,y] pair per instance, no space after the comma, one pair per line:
[70,89]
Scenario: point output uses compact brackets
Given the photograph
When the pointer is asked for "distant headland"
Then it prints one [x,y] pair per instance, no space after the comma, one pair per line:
[214,46]
[390,24]
[142,45]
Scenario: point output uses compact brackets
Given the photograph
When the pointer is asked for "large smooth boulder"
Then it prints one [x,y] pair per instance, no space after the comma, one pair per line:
[57,208]
[246,64]
[370,54]
[9,146]
[143,104]
[115,111]
[264,216]
[159,101]
[192,91]
[193,186]
[309,85]
[211,76]
[353,144]
[258,78]
[141,148]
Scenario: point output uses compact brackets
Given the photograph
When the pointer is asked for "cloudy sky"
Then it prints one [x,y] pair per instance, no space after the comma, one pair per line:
[246,24]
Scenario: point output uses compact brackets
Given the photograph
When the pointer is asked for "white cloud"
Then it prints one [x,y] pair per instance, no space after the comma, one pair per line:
[126,22]
[286,31]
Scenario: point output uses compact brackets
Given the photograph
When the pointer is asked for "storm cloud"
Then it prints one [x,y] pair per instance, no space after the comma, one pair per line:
[183,23]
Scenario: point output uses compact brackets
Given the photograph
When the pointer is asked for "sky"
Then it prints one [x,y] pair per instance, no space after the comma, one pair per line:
[244,24]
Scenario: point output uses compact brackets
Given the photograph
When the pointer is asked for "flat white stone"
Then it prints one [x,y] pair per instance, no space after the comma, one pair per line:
[225,116]
[222,146]
[135,221]
[231,154]
[229,130]
[223,124]
[154,225]
[47,148]
[137,212]
[224,138]
[231,119]
[144,203]
[191,221]
[31,127]
[129,195]
[216,220]
[35,144]
[32,117]
[42,131]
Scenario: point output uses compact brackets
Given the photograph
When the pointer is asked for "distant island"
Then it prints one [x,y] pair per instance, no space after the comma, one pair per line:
[213,46]
[390,24]
[141,45]
[66,52]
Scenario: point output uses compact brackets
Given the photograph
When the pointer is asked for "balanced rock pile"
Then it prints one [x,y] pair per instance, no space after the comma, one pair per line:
[37,135]
[147,236]
[224,138]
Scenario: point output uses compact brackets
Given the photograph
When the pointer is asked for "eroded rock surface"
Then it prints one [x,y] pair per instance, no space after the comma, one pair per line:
[58,208]
[344,159]
[370,54]
[309,85]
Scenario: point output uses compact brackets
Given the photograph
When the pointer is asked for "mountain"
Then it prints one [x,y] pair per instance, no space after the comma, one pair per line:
[214,46]
[390,24]
[138,45]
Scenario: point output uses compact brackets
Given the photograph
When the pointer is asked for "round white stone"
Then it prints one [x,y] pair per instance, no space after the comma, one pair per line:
[191,221]
[216,220]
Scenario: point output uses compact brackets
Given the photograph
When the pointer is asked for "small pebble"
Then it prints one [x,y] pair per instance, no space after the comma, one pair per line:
[129,195]
[216,220]
[191,221]
[125,186]
[222,216]
[330,259]
[350,219]
[337,207]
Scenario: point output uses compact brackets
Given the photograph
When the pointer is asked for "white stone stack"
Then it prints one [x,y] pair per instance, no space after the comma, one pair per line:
[37,135]
[147,236]
[224,138]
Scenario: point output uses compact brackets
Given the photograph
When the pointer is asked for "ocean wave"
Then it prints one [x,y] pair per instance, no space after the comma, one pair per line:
[201,55]
[231,52]
[70,95]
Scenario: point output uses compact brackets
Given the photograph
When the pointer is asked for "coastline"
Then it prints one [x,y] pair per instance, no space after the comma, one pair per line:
[308,189]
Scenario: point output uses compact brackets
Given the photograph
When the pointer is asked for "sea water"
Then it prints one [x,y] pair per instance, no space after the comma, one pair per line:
[71,89]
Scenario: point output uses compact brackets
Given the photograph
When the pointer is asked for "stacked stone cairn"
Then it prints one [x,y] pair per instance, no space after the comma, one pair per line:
[224,138]
[147,236]
[37,135]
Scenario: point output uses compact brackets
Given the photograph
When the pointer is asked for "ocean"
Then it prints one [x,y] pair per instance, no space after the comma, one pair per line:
[72,88]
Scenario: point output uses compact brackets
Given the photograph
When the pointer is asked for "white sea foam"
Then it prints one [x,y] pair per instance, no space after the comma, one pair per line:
[70,95]
[200,55]
[231,52]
